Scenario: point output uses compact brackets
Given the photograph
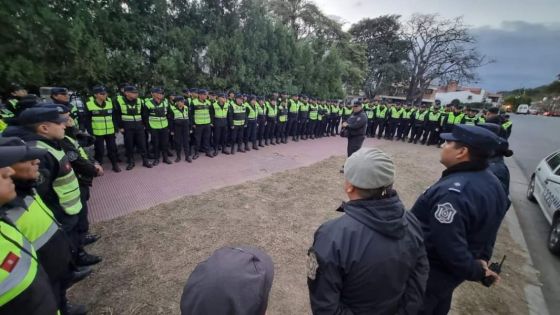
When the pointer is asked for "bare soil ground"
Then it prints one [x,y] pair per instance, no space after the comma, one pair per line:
[148,255]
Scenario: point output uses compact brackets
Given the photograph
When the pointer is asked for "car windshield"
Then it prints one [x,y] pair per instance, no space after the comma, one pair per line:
[554,161]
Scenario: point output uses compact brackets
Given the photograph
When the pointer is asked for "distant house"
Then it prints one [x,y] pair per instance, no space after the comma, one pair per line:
[446,94]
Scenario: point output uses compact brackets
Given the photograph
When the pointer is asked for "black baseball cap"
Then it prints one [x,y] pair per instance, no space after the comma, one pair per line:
[14,150]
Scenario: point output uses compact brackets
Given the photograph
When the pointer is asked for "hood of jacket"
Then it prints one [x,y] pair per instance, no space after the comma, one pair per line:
[386,216]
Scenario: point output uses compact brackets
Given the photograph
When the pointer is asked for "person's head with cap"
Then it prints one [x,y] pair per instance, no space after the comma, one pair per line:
[233,280]
[231,94]
[186,92]
[60,95]
[23,103]
[26,168]
[238,98]
[62,110]
[44,120]
[130,92]
[357,107]
[17,90]
[368,173]
[157,93]
[492,111]
[222,98]
[202,94]
[99,93]
[179,101]
[468,143]
[502,147]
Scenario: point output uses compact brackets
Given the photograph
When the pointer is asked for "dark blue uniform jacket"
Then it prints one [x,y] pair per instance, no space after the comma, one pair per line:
[371,260]
[460,216]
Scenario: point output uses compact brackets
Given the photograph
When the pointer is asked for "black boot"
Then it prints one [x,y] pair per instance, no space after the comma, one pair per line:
[178,158]
[188,157]
[156,162]
[225,151]
[255,146]
[215,152]
[210,155]
[116,167]
[266,142]
[232,148]
[260,143]
[85,259]
[80,274]
[240,148]
[146,163]
[88,238]
[166,159]
[247,147]
[195,156]
[130,165]
[277,141]
[75,309]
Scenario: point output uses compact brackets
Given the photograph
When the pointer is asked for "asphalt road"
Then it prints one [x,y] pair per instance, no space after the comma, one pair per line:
[532,139]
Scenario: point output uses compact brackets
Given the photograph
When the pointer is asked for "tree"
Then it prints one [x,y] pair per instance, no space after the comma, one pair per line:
[440,49]
[386,52]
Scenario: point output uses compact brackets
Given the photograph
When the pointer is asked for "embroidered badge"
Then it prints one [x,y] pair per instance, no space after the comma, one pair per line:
[72,156]
[312,265]
[445,213]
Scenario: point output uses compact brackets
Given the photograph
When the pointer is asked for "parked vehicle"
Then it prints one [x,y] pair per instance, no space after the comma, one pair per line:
[523,109]
[544,188]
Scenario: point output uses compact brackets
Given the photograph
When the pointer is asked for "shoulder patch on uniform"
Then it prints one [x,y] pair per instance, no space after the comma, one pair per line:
[445,213]
[72,155]
[312,265]
[454,189]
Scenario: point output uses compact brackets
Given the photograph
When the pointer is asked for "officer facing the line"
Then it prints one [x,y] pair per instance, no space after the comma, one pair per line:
[460,216]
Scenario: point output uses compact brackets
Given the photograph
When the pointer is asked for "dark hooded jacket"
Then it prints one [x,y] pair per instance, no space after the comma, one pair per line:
[369,261]
[234,280]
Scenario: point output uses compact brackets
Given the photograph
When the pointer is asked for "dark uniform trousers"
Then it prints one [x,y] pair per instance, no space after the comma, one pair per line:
[355,143]
[83,222]
[202,138]
[160,141]
[370,132]
[311,126]
[182,137]
[431,134]
[417,131]
[100,142]
[270,129]
[251,132]
[380,122]
[237,136]
[261,128]
[220,134]
[134,136]
[303,124]
[292,126]
[404,128]
[336,124]
[392,125]
[281,133]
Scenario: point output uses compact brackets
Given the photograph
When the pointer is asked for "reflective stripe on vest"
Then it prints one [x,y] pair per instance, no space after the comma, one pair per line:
[470,120]
[219,111]
[101,118]
[239,115]
[434,116]
[35,221]
[347,111]
[180,114]
[201,112]
[14,282]
[396,113]
[420,115]
[407,114]
[271,111]
[252,111]
[381,111]
[260,109]
[313,111]
[294,107]
[507,124]
[130,112]
[157,118]
[65,185]
[283,114]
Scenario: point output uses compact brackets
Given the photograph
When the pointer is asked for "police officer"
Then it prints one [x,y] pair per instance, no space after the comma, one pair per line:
[180,127]
[129,120]
[369,108]
[303,117]
[496,163]
[25,285]
[313,119]
[35,220]
[281,127]
[11,109]
[407,119]
[202,123]
[393,122]
[154,115]
[432,129]
[507,126]
[380,119]
[460,216]
[250,136]
[100,121]
[59,95]
[237,122]
[356,125]
[219,113]
[372,259]
[418,124]
[271,119]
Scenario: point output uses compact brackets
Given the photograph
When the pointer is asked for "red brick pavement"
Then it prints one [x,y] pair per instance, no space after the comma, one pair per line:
[118,194]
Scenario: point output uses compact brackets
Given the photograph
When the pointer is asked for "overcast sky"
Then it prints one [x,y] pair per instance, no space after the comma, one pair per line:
[522,36]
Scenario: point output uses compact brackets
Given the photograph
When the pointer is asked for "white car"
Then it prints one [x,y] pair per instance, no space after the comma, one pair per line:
[545,189]
[523,109]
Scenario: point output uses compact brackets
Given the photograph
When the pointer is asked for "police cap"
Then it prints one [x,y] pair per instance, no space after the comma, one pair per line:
[130,88]
[62,109]
[14,150]
[202,91]
[179,98]
[99,89]
[41,114]
[473,136]
[157,89]
[222,95]
[59,90]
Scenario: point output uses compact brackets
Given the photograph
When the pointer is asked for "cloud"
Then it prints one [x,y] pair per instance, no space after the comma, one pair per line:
[526,54]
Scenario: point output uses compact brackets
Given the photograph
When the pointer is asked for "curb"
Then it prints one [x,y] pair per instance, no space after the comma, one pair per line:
[533,293]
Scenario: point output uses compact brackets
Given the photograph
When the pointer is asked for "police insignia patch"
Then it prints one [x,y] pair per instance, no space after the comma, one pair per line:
[72,156]
[445,213]
[312,265]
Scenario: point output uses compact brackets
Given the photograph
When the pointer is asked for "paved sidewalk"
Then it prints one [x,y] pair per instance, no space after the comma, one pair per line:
[115,195]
